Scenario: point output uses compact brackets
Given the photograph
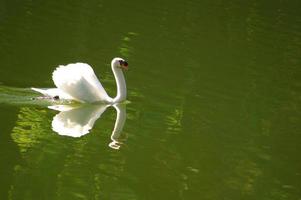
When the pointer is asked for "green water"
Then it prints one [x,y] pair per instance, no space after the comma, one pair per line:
[214,91]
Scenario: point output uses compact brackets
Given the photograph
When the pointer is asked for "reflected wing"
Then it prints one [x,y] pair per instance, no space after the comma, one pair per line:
[79,81]
[76,121]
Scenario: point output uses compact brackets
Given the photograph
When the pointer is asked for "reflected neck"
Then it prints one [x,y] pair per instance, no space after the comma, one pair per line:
[119,123]
[121,85]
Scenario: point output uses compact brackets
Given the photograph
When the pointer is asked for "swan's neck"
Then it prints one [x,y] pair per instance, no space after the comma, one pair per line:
[121,85]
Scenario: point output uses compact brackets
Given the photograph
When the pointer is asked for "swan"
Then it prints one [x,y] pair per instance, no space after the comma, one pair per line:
[77,81]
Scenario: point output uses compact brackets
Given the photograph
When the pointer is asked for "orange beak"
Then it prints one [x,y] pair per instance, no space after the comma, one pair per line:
[124,66]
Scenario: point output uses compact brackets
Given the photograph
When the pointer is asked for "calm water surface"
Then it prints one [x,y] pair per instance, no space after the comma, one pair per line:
[214,106]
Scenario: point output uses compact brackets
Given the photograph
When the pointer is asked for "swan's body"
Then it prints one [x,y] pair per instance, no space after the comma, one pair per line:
[78,82]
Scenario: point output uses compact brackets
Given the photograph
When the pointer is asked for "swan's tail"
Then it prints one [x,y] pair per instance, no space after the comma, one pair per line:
[42,91]
[53,93]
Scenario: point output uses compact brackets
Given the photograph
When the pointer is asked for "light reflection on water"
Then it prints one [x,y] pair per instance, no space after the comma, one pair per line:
[78,121]
[73,120]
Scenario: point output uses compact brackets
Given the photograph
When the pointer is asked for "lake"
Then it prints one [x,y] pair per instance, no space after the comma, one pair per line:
[213,108]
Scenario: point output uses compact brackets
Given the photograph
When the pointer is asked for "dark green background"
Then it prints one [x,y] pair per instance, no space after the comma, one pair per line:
[215,92]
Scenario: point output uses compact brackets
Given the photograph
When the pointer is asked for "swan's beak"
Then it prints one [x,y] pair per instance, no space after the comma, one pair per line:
[124,65]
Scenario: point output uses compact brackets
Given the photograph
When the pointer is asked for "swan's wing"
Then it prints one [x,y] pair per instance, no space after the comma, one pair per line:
[79,81]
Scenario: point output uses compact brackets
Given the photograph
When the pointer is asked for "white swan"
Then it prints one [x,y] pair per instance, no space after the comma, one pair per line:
[77,81]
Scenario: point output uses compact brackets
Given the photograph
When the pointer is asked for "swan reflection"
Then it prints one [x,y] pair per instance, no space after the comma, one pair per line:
[119,123]
[76,121]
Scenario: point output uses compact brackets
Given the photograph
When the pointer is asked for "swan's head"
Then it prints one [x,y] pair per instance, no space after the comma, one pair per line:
[120,63]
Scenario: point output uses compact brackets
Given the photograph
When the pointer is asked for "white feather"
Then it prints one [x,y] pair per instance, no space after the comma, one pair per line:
[80,82]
